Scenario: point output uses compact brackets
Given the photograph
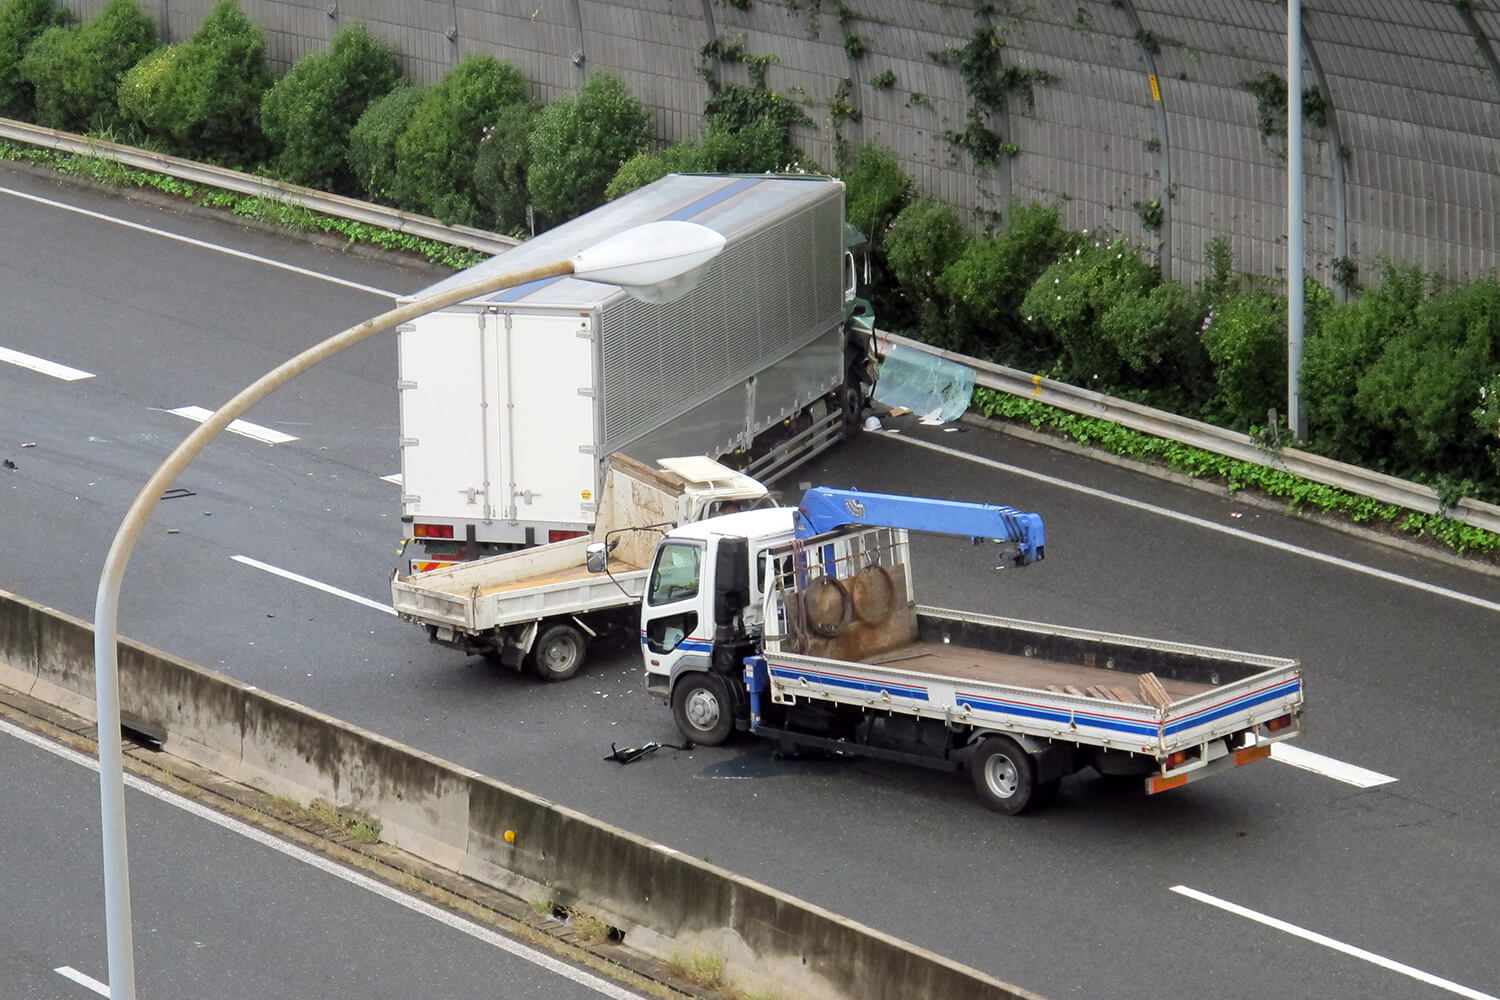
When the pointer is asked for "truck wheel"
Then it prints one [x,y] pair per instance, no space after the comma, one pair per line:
[701,706]
[558,652]
[1004,774]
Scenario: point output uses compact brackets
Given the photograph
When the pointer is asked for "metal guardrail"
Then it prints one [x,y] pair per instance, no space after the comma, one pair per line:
[1314,468]
[262,187]
[1351,478]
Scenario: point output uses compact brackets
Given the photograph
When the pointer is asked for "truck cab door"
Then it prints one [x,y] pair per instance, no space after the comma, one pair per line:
[673,624]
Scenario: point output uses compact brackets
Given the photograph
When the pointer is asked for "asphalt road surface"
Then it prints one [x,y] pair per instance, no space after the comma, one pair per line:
[1373,875]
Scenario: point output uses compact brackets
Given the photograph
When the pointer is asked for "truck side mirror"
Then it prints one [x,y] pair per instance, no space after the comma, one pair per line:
[596,557]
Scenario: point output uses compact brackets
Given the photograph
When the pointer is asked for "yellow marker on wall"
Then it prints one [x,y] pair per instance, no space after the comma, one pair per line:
[1155,90]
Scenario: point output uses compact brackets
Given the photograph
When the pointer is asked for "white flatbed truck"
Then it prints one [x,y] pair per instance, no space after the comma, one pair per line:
[539,607]
[799,625]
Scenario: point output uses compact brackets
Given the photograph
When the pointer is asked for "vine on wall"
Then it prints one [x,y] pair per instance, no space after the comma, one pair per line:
[991,85]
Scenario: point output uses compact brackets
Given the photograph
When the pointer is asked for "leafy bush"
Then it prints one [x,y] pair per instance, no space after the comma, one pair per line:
[500,169]
[76,70]
[877,189]
[1120,326]
[756,149]
[1423,389]
[735,109]
[372,141]
[1339,349]
[21,23]
[203,97]
[435,155]
[922,240]
[309,113]
[1246,342]
[985,286]
[580,143]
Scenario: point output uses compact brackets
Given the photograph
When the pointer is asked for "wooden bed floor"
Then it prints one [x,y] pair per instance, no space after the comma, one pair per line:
[1026,671]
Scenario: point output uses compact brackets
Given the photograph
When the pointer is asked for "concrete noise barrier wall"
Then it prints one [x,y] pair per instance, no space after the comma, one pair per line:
[664,901]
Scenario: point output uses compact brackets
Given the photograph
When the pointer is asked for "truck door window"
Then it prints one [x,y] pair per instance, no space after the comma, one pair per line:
[676,573]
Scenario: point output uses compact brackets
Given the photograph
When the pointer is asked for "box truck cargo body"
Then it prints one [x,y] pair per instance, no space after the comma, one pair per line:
[510,403]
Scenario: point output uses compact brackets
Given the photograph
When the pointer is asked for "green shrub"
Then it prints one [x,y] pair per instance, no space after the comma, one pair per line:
[21,23]
[985,286]
[203,97]
[435,155]
[580,143]
[925,237]
[76,70]
[500,169]
[1339,349]
[1423,389]
[876,190]
[1245,337]
[372,141]
[758,148]
[735,108]
[309,113]
[1121,328]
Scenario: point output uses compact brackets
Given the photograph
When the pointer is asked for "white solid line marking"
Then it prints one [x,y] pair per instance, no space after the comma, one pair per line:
[228,251]
[42,365]
[316,585]
[241,427]
[522,951]
[68,972]
[1328,942]
[1273,543]
[1328,767]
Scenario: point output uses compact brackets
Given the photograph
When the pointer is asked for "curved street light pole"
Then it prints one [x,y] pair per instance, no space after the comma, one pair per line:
[656,261]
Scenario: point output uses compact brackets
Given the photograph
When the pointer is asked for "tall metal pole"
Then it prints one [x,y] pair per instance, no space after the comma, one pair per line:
[657,260]
[1294,290]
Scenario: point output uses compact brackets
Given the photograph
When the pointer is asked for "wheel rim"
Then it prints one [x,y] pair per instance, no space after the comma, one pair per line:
[702,710]
[1000,776]
[558,654]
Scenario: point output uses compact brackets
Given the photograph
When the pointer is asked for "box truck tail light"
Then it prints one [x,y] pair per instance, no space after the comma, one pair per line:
[563,536]
[432,530]
[1276,725]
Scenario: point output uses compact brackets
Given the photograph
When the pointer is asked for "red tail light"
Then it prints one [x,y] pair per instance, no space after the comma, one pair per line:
[1278,724]
[563,536]
[432,530]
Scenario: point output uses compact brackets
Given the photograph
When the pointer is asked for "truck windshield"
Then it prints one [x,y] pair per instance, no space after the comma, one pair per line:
[675,575]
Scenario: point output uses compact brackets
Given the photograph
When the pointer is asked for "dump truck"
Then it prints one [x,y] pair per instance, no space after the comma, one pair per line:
[510,403]
[541,607]
[801,625]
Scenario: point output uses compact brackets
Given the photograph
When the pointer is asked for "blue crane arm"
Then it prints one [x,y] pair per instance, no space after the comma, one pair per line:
[824,508]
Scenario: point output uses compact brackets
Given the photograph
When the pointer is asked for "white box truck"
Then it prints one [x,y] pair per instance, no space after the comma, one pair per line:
[510,403]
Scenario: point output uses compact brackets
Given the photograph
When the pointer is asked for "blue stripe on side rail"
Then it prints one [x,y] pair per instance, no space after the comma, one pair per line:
[845,681]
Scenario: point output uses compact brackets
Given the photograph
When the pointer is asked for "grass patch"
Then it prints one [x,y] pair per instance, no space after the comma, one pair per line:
[268,211]
[589,927]
[700,970]
[364,829]
[1235,474]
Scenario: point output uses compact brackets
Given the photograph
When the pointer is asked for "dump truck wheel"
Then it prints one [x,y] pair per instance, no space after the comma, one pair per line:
[558,652]
[1004,775]
[700,704]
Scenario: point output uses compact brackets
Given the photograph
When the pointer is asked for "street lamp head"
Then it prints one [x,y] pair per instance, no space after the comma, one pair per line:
[655,262]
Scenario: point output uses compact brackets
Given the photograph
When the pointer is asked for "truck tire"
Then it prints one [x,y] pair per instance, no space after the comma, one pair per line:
[701,706]
[558,652]
[1004,774]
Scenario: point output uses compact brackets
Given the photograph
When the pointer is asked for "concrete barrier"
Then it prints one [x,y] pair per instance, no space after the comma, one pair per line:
[664,901]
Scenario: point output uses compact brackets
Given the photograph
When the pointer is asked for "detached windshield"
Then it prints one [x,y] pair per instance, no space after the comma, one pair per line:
[675,575]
